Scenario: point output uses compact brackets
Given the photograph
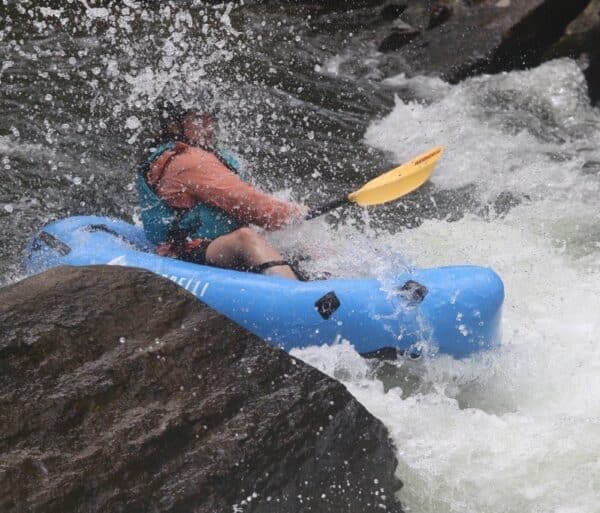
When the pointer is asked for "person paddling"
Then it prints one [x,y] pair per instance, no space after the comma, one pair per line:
[195,206]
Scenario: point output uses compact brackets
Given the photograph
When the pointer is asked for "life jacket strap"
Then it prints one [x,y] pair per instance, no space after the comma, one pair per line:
[176,235]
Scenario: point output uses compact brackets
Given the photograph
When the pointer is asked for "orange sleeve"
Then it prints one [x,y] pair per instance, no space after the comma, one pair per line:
[202,175]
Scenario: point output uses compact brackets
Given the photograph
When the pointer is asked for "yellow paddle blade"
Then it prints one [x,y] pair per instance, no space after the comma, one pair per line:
[399,181]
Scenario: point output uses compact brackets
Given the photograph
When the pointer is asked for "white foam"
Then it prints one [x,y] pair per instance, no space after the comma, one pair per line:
[514,430]
[524,132]
[517,429]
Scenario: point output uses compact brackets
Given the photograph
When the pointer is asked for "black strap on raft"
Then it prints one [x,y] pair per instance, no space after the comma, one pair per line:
[106,229]
[274,263]
[49,240]
[267,265]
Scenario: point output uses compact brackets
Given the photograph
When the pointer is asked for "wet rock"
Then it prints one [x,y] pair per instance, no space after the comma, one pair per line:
[582,36]
[487,37]
[585,29]
[398,38]
[120,392]
[417,14]
[592,75]
[440,12]
[341,5]
[392,11]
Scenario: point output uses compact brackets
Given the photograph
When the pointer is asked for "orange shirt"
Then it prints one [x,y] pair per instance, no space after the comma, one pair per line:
[186,174]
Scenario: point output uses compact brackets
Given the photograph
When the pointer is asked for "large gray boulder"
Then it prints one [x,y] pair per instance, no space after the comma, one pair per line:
[120,392]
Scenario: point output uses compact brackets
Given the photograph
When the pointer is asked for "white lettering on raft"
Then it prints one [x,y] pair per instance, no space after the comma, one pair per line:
[196,288]
[120,260]
[191,285]
[204,290]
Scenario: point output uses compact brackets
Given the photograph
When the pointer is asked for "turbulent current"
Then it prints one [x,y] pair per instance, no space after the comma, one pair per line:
[519,429]
[516,430]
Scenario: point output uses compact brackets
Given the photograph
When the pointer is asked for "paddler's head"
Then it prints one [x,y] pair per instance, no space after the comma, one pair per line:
[198,128]
[193,126]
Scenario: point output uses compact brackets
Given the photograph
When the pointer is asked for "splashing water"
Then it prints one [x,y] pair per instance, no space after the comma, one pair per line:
[498,432]
[517,429]
[79,90]
[529,133]
[514,430]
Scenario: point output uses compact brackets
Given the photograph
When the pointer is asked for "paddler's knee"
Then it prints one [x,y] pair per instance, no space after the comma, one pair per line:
[245,237]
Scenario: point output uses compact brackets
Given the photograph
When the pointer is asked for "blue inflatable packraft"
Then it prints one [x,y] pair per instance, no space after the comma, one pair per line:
[454,310]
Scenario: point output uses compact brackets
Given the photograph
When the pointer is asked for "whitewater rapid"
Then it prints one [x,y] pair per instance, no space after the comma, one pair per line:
[517,429]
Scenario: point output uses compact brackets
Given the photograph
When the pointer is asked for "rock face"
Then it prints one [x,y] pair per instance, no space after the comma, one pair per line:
[583,36]
[398,38]
[488,36]
[120,392]
[456,39]
[592,75]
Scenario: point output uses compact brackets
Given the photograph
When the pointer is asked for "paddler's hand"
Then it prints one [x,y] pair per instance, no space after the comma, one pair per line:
[298,213]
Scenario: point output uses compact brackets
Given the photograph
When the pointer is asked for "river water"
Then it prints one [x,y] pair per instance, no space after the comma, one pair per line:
[515,430]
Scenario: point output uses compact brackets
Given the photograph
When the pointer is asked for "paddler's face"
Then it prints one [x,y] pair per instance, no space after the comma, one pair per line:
[199,128]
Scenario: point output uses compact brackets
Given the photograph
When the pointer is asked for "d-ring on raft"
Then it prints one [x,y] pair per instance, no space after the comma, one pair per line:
[454,310]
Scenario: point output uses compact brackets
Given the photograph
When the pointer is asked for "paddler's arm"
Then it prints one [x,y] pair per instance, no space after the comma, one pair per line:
[209,181]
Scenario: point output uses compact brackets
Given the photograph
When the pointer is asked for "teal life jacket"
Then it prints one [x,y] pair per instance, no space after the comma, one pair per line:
[163,223]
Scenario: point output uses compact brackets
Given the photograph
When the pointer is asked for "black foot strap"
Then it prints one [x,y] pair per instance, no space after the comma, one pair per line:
[267,265]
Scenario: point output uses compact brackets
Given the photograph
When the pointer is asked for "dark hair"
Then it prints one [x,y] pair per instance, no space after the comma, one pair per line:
[169,113]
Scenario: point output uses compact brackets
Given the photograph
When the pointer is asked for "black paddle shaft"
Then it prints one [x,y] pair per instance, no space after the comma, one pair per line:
[316,212]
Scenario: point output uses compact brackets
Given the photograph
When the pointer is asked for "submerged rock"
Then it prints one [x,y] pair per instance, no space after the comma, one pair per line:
[121,392]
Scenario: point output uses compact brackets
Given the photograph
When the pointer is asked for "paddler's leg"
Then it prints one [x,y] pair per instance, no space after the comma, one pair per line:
[244,248]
